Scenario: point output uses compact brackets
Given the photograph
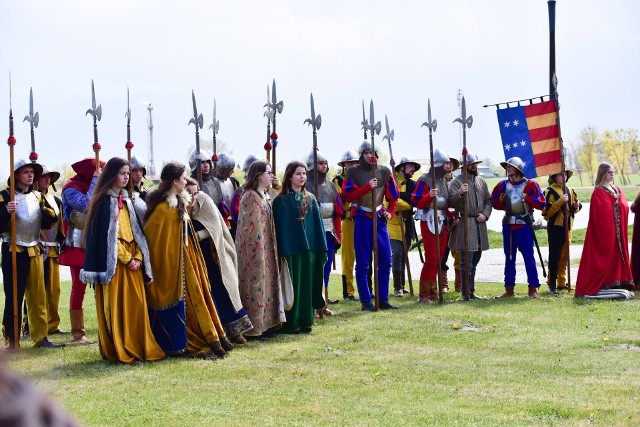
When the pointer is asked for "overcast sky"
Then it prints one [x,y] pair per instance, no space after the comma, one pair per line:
[397,53]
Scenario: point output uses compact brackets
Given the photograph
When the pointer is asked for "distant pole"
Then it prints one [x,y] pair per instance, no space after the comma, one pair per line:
[152,166]
[552,44]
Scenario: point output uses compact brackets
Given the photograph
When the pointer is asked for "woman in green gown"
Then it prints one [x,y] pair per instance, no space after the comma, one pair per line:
[301,243]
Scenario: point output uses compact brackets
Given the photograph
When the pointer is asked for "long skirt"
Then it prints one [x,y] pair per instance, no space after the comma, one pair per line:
[307,270]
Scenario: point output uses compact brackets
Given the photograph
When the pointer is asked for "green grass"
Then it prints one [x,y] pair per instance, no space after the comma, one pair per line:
[517,362]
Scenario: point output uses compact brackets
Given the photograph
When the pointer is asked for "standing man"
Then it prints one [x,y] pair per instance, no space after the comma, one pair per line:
[518,196]
[32,214]
[51,241]
[475,194]
[422,198]
[358,188]
[227,184]
[348,253]
[209,186]
[138,171]
[331,210]
[557,204]
[76,194]
[404,212]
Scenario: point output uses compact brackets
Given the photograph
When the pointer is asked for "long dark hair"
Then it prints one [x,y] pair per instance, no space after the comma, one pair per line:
[104,184]
[254,173]
[286,186]
[170,172]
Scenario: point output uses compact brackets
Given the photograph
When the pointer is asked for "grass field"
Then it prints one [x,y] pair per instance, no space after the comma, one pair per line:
[517,362]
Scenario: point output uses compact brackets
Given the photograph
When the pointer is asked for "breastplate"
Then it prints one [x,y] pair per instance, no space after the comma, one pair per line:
[227,189]
[514,198]
[326,209]
[28,221]
[139,205]
[48,237]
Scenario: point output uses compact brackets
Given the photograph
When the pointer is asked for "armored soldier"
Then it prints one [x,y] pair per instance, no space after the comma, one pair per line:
[32,215]
[422,198]
[517,196]
[209,185]
[228,185]
[331,210]
[365,206]
[348,254]
[475,194]
[138,171]
[404,212]
[51,241]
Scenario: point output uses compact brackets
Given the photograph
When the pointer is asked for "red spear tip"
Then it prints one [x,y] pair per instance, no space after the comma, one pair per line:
[214,158]
[33,156]
[274,135]
[268,146]
[96,147]
[12,141]
[128,145]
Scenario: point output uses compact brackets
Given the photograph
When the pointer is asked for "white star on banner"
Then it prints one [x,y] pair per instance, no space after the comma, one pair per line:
[507,147]
[523,143]
[516,123]
[506,124]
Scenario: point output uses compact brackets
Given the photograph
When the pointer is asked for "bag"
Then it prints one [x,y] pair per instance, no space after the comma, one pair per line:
[286,285]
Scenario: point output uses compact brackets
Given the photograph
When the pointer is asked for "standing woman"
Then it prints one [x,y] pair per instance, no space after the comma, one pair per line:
[183,316]
[301,242]
[605,256]
[257,254]
[117,262]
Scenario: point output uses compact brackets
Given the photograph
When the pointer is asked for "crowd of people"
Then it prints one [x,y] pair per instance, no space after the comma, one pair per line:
[201,264]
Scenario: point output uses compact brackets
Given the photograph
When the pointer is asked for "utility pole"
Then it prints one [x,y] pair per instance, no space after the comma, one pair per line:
[152,166]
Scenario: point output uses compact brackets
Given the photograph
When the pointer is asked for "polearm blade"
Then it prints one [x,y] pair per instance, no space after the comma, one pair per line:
[11,141]
[364,122]
[315,122]
[198,122]
[129,145]
[389,137]
[270,115]
[96,113]
[33,119]
[215,126]
[465,122]
[432,125]
[276,107]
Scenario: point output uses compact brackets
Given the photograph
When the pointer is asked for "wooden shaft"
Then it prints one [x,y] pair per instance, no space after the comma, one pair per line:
[14,260]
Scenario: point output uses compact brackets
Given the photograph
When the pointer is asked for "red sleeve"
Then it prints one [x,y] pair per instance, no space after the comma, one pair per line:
[352,192]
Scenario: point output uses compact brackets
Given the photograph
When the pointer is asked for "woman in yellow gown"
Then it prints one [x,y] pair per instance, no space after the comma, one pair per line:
[117,263]
[182,313]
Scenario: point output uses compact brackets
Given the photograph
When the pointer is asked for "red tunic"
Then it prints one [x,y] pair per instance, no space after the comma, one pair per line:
[605,256]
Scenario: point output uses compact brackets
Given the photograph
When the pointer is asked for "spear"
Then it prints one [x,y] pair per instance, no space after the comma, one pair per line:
[129,144]
[432,125]
[215,126]
[270,115]
[33,119]
[390,136]
[276,107]
[12,194]
[364,122]
[465,122]
[375,129]
[315,122]
[96,113]
[198,122]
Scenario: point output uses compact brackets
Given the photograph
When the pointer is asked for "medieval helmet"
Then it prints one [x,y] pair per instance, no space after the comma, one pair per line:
[226,161]
[54,175]
[321,158]
[456,162]
[472,158]
[516,162]
[440,158]
[569,173]
[138,164]
[247,163]
[366,145]
[406,160]
[203,157]
[349,156]
[19,164]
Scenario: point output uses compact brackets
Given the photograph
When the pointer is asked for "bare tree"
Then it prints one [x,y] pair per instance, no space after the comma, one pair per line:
[574,149]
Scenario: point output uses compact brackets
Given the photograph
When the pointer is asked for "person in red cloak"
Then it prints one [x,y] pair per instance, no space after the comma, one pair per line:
[76,193]
[605,256]
[635,242]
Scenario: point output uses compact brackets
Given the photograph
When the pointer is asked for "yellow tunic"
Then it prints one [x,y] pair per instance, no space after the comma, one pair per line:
[124,332]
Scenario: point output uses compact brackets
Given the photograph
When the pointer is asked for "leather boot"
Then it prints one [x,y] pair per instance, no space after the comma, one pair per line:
[508,292]
[397,283]
[77,327]
[458,283]
[444,280]
[433,291]
[345,294]
[533,292]
[424,292]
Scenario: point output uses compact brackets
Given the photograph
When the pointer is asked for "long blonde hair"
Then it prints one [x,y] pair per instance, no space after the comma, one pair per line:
[602,172]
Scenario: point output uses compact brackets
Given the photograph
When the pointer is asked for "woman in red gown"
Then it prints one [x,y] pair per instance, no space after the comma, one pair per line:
[605,256]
